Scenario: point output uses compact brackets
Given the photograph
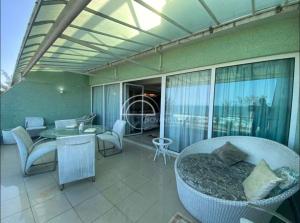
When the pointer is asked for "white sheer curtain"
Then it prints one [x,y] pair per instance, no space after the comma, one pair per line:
[187,107]
[97,104]
[111,104]
[254,99]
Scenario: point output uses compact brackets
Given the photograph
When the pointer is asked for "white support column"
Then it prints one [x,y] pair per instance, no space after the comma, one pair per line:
[295,104]
[211,102]
[103,105]
[162,107]
[121,100]
[91,92]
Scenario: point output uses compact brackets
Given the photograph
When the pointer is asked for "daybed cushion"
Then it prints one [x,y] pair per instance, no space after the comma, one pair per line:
[230,154]
[207,174]
[290,179]
[260,182]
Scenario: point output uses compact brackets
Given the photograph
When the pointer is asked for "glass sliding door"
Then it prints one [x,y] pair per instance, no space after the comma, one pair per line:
[254,100]
[133,109]
[97,104]
[187,108]
[111,104]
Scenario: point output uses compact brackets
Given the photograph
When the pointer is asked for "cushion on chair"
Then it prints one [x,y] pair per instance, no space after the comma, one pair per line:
[207,174]
[260,182]
[43,152]
[34,122]
[244,220]
[35,128]
[230,154]
[109,137]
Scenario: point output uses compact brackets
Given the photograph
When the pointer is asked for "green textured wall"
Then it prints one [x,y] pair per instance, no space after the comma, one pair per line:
[38,96]
[276,35]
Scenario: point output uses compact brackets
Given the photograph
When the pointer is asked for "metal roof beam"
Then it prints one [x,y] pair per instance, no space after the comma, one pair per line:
[31,51]
[43,22]
[149,7]
[69,59]
[73,48]
[124,23]
[35,36]
[30,45]
[68,14]
[77,55]
[108,46]
[109,35]
[210,13]
[107,52]
[68,62]
[54,2]
[60,65]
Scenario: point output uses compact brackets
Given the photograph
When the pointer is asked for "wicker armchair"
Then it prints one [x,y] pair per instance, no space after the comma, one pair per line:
[34,125]
[34,155]
[76,158]
[86,119]
[67,123]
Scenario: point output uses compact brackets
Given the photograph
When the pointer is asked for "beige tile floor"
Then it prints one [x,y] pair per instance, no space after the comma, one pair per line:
[130,187]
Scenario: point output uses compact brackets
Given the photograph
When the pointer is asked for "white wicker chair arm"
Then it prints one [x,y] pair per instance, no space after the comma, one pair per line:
[37,142]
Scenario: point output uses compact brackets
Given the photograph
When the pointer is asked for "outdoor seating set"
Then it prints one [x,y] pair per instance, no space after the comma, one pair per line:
[70,147]
[217,179]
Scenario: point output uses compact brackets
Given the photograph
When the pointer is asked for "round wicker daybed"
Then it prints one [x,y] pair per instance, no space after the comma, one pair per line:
[209,209]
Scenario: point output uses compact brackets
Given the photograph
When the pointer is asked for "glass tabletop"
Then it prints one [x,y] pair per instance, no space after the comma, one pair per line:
[52,133]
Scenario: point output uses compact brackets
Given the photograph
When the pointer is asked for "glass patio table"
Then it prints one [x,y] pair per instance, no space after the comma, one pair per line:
[53,133]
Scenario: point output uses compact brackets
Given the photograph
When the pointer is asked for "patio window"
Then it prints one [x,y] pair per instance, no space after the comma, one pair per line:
[106,104]
[187,107]
[112,104]
[254,100]
[97,104]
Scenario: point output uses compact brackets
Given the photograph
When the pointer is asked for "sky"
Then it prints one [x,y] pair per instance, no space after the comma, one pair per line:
[15,15]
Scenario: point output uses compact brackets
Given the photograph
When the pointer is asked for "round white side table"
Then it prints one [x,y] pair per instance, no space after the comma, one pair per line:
[162,146]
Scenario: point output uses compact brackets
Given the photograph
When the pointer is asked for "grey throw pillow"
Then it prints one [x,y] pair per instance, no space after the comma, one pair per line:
[230,154]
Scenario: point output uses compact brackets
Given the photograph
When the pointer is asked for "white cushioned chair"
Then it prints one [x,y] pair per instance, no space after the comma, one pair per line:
[36,154]
[67,123]
[115,137]
[76,158]
[34,125]
[87,119]
[209,209]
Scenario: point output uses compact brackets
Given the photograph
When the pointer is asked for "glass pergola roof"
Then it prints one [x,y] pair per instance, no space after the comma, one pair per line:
[108,31]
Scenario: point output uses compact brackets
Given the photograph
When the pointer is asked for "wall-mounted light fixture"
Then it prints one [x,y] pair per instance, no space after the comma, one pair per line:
[61,90]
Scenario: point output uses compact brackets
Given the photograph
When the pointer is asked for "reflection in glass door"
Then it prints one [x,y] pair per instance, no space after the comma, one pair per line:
[106,104]
[97,104]
[111,104]
[254,100]
[133,108]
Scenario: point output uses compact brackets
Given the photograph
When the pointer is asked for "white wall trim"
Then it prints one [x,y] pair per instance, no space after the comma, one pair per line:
[211,102]
[162,107]
[295,104]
